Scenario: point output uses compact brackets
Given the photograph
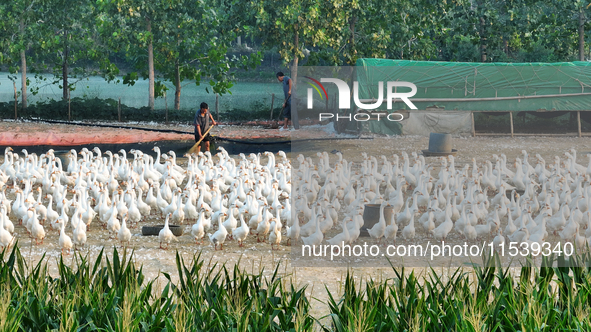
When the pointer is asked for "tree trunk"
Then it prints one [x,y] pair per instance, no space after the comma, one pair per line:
[294,77]
[65,87]
[24,79]
[581,35]
[482,40]
[294,65]
[352,50]
[23,70]
[150,68]
[177,85]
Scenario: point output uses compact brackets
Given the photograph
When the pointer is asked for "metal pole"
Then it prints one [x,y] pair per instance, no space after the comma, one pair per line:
[511,120]
[119,109]
[165,109]
[69,110]
[15,101]
[373,100]
[334,105]
[272,101]
[579,122]
[473,126]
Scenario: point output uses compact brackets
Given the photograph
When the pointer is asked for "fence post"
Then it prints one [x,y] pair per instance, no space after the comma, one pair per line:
[272,101]
[15,100]
[165,109]
[473,125]
[119,109]
[511,120]
[335,106]
[217,106]
[579,122]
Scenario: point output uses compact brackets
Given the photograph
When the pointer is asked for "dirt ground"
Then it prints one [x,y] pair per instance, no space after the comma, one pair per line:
[27,133]
[255,256]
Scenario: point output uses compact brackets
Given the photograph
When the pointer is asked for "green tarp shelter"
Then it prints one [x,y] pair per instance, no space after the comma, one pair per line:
[448,88]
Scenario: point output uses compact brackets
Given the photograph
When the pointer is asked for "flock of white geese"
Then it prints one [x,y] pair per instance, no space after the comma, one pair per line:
[230,199]
[472,202]
[118,192]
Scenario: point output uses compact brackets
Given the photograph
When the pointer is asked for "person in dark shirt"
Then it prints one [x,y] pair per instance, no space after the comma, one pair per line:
[287,84]
[202,122]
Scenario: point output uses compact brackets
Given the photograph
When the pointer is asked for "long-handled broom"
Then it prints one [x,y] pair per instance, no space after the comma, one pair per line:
[281,112]
[194,147]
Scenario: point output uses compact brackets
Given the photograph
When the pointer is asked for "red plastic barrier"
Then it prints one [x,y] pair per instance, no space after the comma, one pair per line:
[110,136]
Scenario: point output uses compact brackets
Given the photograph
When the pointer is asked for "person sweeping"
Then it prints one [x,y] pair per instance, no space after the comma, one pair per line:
[203,123]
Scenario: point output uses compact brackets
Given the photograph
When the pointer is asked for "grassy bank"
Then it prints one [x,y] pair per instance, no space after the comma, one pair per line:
[244,93]
[108,110]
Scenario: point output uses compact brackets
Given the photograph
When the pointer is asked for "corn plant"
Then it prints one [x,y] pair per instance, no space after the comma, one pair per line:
[111,294]
[484,298]
[218,299]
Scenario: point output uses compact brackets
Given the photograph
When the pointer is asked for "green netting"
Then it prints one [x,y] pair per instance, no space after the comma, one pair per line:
[565,86]
[383,127]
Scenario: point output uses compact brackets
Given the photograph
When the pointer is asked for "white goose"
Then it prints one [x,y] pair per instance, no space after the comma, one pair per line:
[179,214]
[469,232]
[429,223]
[341,238]
[151,200]
[408,232]
[510,228]
[219,237]
[65,241]
[378,230]
[205,221]
[241,232]
[391,229]
[113,224]
[172,207]
[133,212]
[165,234]
[197,230]
[231,223]
[441,231]
[40,208]
[124,234]
[316,237]
[569,231]
[274,236]
[293,232]
[191,212]
[6,239]
[37,230]
[499,241]
[8,225]
[122,208]
[263,228]
[142,206]
[79,234]
[405,216]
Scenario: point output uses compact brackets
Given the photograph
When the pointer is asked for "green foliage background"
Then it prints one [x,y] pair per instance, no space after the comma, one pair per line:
[197,42]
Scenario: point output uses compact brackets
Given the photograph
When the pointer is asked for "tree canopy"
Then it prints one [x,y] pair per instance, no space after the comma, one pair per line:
[191,41]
